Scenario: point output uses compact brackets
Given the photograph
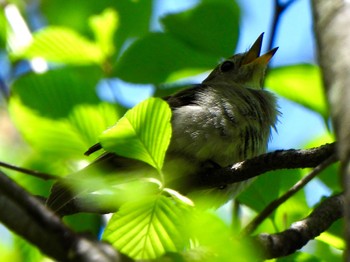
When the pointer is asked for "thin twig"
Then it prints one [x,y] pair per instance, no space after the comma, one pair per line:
[278,11]
[294,189]
[34,173]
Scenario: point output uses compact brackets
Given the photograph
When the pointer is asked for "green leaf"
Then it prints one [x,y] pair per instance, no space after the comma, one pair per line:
[104,27]
[155,57]
[214,240]
[55,93]
[134,16]
[4,29]
[84,223]
[332,240]
[148,228]
[300,257]
[143,133]
[262,191]
[63,45]
[211,27]
[269,187]
[299,83]
[59,112]
[325,252]
[327,176]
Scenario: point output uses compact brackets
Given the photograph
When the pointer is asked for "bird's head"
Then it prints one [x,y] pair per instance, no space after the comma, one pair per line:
[247,69]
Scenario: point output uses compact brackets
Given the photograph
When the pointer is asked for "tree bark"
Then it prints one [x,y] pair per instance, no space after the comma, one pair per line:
[332,23]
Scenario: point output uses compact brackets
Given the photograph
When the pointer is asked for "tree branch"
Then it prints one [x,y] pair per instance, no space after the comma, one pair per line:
[279,9]
[281,159]
[301,232]
[29,218]
[277,202]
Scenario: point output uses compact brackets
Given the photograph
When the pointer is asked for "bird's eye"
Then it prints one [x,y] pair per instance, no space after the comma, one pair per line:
[226,66]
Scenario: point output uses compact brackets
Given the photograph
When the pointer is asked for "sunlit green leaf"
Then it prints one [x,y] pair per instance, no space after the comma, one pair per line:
[300,257]
[215,241]
[325,252]
[299,83]
[26,251]
[211,27]
[6,253]
[168,55]
[143,133]
[104,27]
[332,240]
[63,45]
[59,112]
[3,29]
[67,138]
[148,228]
[134,16]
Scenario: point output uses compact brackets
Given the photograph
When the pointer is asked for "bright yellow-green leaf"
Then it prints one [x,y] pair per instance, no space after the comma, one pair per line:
[332,240]
[104,27]
[215,241]
[143,133]
[147,228]
[58,112]
[66,137]
[301,84]
[63,45]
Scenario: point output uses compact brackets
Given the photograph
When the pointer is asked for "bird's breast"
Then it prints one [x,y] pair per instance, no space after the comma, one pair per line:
[224,127]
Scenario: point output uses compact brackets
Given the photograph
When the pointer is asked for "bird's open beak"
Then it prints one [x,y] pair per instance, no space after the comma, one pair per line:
[253,53]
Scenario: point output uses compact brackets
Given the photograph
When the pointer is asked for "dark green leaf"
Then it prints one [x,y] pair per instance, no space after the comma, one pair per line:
[210,27]
[155,57]
[55,93]
[85,223]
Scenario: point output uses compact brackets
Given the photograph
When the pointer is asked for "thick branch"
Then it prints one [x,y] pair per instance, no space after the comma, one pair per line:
[301,232]
[29,218]
[281,159]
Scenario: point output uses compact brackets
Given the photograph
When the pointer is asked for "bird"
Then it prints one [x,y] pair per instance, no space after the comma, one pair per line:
[226,119]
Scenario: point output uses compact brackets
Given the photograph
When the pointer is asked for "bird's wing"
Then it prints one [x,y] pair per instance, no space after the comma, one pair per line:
[65,191]
[184,97]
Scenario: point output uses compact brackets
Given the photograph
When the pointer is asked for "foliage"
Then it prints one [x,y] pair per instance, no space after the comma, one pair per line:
[60,114]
